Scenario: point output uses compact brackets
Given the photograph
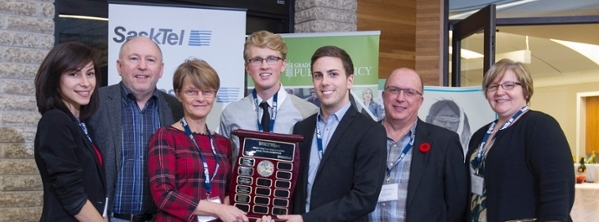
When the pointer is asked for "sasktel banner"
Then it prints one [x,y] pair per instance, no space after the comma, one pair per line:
[214,35]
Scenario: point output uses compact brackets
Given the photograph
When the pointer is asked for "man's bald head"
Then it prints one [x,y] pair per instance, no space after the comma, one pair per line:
[405,72]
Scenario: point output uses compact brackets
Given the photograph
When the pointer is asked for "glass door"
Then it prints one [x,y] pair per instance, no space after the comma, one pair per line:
[470,64]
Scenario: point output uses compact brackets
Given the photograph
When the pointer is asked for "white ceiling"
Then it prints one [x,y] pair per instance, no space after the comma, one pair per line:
[549,59]
[528,8]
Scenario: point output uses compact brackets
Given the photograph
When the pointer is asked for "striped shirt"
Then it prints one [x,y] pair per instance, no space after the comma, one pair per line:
[132,193]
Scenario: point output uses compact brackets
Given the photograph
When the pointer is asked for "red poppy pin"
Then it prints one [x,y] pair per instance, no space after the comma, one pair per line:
[424,147]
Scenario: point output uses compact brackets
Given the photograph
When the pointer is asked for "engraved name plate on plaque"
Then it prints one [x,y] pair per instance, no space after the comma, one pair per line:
[265,173]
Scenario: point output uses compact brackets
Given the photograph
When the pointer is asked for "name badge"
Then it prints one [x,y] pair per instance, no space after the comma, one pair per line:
[389,192]
[209,218]
[477,184]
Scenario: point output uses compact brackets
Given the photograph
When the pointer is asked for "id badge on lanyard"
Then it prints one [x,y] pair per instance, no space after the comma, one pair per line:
[390,192]
[477,178]
[209,218]
[477,183]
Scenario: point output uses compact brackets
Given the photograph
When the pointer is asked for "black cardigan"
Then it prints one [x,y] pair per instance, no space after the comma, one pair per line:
[528,171]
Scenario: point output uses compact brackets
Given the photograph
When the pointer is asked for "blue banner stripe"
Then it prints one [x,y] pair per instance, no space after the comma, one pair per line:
[200,37]
[227,94]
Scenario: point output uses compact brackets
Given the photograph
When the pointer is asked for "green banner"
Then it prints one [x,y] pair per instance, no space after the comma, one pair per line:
[363,47]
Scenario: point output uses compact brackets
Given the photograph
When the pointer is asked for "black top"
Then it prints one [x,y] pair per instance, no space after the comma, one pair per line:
[528,171]
[71,173]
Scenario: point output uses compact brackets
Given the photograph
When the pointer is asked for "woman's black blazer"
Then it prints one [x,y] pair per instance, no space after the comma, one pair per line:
[71,172]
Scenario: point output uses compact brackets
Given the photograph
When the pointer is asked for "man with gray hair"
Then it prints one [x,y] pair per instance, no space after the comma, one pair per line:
[129,114]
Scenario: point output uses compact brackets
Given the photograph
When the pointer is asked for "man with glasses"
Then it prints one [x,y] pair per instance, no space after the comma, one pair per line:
[425,177]
[269,108]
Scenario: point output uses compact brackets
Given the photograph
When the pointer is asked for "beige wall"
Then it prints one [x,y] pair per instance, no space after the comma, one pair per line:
[556,96]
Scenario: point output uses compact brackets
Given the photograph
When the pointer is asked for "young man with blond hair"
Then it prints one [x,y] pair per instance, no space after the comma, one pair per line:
[265,56]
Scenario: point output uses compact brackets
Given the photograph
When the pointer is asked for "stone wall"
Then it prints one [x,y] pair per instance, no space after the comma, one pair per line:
[26,36]
[325,15]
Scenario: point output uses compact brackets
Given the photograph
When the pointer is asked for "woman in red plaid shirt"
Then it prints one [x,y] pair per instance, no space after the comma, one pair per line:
[190,165]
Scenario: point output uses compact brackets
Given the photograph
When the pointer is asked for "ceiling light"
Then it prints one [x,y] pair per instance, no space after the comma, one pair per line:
[476,62]
[498,7]
[83,17]
[511,4]
[467,54]
[588,50]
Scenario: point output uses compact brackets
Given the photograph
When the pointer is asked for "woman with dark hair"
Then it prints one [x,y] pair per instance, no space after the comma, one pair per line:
[70,165]
[447,114]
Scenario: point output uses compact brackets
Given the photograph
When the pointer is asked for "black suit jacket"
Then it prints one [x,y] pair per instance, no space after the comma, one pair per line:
[70,170]
[106,128]
[350,174]
[438,185]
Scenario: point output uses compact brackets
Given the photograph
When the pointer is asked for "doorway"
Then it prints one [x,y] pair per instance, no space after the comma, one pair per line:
[587,127]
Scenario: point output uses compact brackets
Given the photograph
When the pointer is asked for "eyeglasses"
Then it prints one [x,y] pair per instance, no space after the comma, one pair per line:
[408,92]
[194,93]
[505,86]
[447,119]
[271,60]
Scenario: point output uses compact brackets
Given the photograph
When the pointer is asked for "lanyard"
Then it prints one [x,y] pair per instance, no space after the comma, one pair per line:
[481,150]
[403,154]
[274,111]
[319,141]
[207,179]
[84,128]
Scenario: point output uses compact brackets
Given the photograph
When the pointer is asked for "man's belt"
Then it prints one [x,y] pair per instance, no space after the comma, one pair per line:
[134,217]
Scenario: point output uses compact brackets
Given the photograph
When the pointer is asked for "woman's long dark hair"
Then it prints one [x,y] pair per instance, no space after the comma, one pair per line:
[65,57]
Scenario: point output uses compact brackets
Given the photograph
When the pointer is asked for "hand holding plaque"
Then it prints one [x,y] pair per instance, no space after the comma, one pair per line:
[265,172]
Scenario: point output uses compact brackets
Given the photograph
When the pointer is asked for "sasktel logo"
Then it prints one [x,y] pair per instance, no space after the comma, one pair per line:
[166,36]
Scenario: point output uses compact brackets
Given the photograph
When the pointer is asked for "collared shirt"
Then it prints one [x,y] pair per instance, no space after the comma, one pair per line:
[400,174]
[132,194]
[327,129]
[242,115]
